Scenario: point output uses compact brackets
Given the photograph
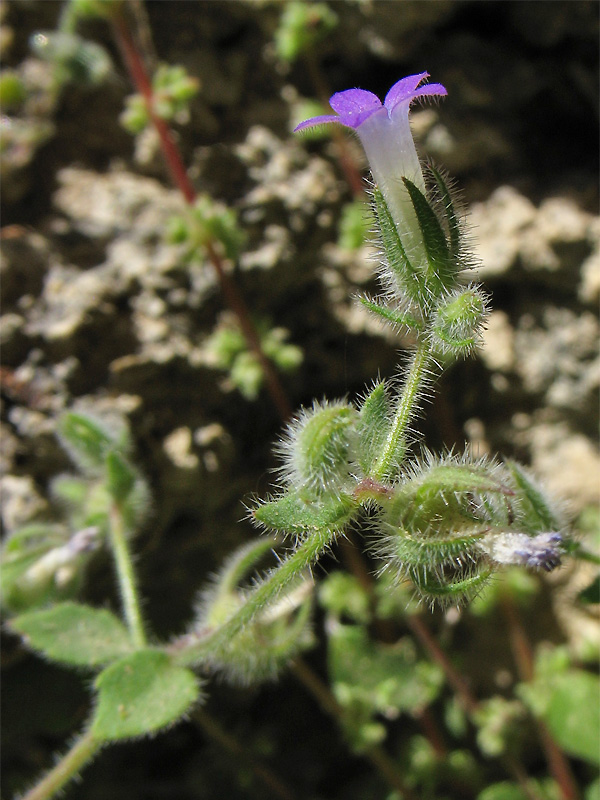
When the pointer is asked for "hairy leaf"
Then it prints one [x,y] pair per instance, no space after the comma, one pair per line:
[72,633]
[373,426]
[289,513]
[140,694]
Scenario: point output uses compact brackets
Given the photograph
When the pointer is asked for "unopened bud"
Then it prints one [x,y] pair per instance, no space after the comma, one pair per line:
[457,322]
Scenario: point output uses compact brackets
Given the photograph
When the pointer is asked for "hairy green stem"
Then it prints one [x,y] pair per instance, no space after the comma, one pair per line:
[396,441]
[126,578]
[83,750]
[195,647]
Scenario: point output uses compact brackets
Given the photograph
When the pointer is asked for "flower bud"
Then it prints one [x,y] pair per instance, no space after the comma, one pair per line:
[457,322]
[542,551]
[318,451]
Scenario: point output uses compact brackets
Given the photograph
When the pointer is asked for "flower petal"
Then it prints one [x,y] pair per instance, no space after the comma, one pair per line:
[322,120]
[403,89]
[354,106]
[430,88]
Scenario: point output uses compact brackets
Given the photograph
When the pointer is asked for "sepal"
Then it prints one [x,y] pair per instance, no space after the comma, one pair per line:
[430,531]
[400,276]
[441,267]
[536,511]
[450,214]
[397,318]
[452,523]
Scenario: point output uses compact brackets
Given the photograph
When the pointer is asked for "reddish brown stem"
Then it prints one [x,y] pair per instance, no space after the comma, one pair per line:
[523,655]
[385,765]
[469,703]
[142,82]
[418,627]
[229,743]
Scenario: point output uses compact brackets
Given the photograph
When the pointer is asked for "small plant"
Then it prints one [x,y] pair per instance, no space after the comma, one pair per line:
[440,526]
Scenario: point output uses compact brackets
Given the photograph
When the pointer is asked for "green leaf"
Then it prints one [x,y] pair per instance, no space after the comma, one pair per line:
[502,791]
[289,513]
[544,789]
[573,714]
[593,791]
[141,694]
[534,506]
[302,26]
[341,594]
[591,593]
[373,426]
[240,562]
[388,679]
[72,633]
[120,476]
[86,440]
[442,270]
[408,279]
[397,318]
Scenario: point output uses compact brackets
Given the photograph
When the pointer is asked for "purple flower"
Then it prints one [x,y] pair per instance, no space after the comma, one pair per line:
[542,551]
[384,131]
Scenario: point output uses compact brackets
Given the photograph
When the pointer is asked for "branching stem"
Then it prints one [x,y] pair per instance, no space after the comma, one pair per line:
[195,647]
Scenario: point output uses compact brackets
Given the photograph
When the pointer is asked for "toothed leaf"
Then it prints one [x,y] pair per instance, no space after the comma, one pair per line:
[141,694]
[71,633]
